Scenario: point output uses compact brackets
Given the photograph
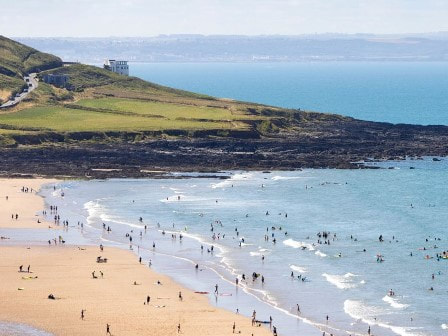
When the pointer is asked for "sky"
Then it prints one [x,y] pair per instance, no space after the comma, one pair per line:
[101,18]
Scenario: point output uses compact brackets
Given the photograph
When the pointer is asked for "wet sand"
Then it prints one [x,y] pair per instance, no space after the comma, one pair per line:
[26,204]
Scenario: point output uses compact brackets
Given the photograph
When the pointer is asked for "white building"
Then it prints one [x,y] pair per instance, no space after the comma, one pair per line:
[119,67]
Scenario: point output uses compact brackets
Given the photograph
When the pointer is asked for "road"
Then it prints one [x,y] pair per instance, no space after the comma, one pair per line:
[32,85]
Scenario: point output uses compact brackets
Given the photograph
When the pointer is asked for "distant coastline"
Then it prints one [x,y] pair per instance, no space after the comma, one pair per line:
[235,48]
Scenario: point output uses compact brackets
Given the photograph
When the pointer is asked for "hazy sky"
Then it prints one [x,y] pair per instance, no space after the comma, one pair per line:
[251,17]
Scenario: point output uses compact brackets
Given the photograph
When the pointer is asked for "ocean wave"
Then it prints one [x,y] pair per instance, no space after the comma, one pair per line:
[320,254]
[394,302]
[297,244]
[98,213]
[261,251]
[277,178]
[345,281]
[233,179]
[298,268]
[367,314]
[444,326]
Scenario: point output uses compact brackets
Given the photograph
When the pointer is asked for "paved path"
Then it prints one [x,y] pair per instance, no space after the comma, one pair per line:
[34,84]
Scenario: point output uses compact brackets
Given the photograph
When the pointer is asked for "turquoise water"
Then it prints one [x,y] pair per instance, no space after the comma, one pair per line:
[408,207]
[394,92]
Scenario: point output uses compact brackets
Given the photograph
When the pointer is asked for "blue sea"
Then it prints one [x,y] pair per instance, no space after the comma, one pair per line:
[268,223]
[396,92]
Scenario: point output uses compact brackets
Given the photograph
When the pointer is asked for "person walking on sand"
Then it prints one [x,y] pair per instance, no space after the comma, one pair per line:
[82,314]
[108,329]
[148,299]
[178,328]
[29,268]
[180,296]
[20,268]
[233,328]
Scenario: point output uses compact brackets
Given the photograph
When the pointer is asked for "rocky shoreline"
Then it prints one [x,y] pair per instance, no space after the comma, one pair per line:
[334,147]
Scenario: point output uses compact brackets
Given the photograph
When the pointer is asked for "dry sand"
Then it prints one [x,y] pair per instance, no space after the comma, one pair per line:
[66,271]
[26,205]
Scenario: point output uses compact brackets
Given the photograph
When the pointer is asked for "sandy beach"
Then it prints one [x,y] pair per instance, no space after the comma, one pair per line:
[26,205]
[111,298]
[66,272]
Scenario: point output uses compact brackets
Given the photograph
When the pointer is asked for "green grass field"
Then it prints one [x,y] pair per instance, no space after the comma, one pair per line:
[61,119]
[168,111]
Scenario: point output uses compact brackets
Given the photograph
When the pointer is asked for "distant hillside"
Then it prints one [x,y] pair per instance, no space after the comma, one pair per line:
[17,59]
[276,48]
[106,125]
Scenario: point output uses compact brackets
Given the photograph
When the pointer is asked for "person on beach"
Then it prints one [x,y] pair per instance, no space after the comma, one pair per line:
[216,289]
[108,329]
[180,296]
[28,270]
[148,299]
[298,309]
[178,328]
[20,268]
[82,314]
[233,328]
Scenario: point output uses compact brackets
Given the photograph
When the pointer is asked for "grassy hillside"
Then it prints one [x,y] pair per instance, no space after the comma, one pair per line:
[16,60]
[102,102]
[97,100]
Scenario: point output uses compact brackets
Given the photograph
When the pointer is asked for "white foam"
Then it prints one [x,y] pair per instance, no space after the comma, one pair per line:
[298,268]
[97,212]
[444,326]
[320,254]
[394,302]
[297,244]
[277,178]
[233,179]
[345,281]
[366,314]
